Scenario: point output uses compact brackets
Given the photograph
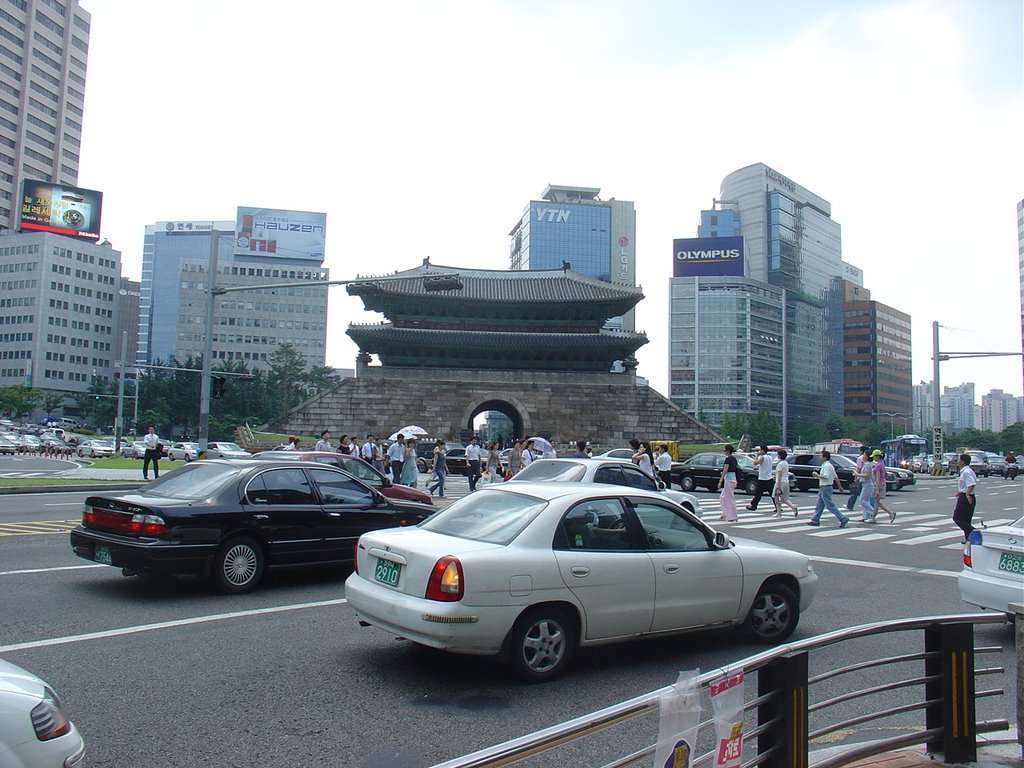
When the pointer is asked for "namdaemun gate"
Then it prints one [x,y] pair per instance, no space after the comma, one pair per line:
[532,345]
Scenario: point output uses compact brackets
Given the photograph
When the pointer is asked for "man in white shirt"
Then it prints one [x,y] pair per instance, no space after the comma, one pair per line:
[368,450]
[324,443]
[473,462]
[765,483]
[663,464]
[826,478]
[152,454]
[396,455]
[966,501]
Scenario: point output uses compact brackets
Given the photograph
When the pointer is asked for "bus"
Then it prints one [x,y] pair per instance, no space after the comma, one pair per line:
[844,446]
[900,450]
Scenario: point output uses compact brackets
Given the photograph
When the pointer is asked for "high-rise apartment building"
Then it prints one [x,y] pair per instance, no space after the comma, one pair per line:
[59,311]
[248,326]
[923,408]
[572,224]
[876,359]
[791,243]
[957,405]
[44,49]
[999,410]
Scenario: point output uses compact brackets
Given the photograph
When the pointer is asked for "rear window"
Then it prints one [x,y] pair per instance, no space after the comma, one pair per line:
[492,517]
[197,480]
[565,471]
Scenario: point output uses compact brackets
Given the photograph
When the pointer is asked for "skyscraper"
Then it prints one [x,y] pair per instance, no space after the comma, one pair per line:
[572,224]
[44,48]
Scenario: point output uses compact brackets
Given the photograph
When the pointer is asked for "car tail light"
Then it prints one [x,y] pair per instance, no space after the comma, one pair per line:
[446,582]
[48,718]
[151,525]
[973,538]
[139,523]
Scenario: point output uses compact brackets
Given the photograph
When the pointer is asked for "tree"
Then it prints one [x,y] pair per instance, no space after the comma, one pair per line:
[19,399]
[287,375]
[98,404]
[764,429]
[808,431]
[734,425]
[1012,438]
[982,439]
[873,434]
[836,426]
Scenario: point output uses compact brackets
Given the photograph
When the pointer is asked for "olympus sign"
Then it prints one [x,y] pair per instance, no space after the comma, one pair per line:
[707,257]
[713,255]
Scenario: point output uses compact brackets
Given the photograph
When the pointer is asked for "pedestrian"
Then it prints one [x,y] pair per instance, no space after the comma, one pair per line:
[865,476]
[528,456]
[410,471]
[963,512]
[293,443]
[396,455]
[663,465]
[780,492]
[493,463]
[827,477]
[473,455]
[152,454]
[581,450]
[855,486]
[765,483]
[515,459]
[439,468]
[366,453]
[324,443]
[878,482]
[727,482]
[345,445]
[641,455]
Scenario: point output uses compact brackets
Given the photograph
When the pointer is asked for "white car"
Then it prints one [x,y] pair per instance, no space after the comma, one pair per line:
[225,451]
[606,471]
[34,729]
[993,573]
[97,449]
[532,571]
[616,453]
[183,451]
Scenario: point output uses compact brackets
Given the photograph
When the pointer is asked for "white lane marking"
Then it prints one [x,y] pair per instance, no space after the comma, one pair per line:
[877,566]
[53,570]
[873,537]
[165,625]
[932,537]
[65,504]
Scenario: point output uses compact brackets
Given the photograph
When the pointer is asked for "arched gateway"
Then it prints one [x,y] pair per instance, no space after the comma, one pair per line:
[530,344]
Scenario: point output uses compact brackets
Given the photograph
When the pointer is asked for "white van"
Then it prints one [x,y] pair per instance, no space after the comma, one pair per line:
[67,423]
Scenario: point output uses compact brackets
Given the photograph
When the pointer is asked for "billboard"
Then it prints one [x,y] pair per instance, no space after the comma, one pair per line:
[707,257]
[272,232]
[66,210]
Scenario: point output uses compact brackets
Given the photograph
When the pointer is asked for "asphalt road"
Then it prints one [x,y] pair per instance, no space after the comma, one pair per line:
[169,671]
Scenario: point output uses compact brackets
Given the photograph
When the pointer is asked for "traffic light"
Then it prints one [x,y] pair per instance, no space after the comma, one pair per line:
[96,397]
[218,384]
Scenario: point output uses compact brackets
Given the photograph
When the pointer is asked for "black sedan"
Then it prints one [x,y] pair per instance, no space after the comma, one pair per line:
[230,520]
[705,469]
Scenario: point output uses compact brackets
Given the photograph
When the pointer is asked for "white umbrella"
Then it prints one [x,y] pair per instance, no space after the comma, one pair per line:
[411,431]
[542,445]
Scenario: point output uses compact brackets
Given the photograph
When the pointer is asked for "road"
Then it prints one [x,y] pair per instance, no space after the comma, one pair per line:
[284,676]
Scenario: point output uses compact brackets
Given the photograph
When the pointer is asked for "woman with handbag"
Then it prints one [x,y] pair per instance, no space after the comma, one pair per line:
[439,469]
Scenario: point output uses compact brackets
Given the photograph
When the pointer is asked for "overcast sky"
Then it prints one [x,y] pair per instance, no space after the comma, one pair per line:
[424,128]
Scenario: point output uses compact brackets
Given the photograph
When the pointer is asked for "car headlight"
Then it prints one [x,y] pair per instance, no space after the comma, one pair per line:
[48,718]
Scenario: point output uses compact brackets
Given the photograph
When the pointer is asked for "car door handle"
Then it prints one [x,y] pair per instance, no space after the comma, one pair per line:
[579,570]
[334,514]
[261,518]
[670,568]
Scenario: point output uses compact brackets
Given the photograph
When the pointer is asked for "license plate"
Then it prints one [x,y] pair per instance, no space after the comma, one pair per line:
[1012,562]
[387,572]
[102,555]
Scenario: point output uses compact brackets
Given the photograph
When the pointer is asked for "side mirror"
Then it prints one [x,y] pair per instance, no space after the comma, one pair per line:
[722,540]
[660,483]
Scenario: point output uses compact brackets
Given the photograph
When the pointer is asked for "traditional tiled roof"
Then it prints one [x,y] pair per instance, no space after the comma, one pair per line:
[483,285]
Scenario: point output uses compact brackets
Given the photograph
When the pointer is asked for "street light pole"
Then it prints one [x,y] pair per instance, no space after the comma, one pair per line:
[119,420]
[204,387]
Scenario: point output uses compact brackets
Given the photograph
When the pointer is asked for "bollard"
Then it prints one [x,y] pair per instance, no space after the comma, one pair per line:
[953,692]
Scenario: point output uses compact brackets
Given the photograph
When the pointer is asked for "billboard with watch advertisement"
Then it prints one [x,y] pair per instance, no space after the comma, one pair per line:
[60,208]
[274,232]
[707,257]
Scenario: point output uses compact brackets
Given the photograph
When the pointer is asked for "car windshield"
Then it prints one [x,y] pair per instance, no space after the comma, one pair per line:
[844,461]
[566,471]
[491,517]
[193,481]
[745,461]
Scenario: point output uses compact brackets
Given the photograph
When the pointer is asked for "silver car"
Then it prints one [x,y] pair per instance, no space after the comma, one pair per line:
[183,452]
[222,450]
[96,449]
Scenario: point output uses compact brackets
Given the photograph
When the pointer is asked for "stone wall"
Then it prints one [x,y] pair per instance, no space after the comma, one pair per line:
[606,409]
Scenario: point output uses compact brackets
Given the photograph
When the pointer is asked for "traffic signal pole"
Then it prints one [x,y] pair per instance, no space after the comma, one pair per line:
[204,387]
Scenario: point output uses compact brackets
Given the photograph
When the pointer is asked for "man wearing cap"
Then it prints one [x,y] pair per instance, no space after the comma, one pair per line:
[878,479]
[963,512]
[293,443]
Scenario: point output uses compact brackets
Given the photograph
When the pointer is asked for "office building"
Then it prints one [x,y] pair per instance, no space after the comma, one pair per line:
[957,405]
[44,49]
[248,325]
[572,224]
[999,410]
[876,359]
[790,243]
[923,408]
[59,311]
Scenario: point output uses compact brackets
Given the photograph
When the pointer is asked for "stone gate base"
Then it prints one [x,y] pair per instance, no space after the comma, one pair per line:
[606,409]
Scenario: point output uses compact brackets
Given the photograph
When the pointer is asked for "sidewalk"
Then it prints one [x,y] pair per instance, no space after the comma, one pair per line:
[995,750]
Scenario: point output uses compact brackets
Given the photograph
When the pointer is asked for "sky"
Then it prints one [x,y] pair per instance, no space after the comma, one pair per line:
[424,127]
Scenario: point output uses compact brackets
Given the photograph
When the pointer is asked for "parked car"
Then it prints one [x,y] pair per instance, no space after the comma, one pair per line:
[993,572]
[135,449]
[607,471]
[534,570]
[616,453]
[95,449]
[222,450]
[705,469]
[7,445]
[35,729]
[904,477]
[229,520]
[183,451]
[355,467]
[29,443]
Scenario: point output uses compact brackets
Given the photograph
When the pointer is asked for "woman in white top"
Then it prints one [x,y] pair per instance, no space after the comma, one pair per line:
[780,494]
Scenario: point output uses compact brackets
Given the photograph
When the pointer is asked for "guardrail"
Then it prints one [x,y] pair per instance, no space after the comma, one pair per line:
[782,709]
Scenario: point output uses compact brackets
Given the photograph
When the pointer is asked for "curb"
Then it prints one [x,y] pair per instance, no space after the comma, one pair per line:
[96,486]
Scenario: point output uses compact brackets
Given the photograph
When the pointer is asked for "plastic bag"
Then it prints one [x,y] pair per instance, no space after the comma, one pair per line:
[727,704]
[679,722]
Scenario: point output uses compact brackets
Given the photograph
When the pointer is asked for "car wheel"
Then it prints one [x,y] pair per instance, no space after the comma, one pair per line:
[773,616]
[80,453]
[543,643]
[188,457]
[687,483]
[750,486]
[238,565]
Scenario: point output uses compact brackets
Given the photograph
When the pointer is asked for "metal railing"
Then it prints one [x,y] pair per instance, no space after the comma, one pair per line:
[940,682]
